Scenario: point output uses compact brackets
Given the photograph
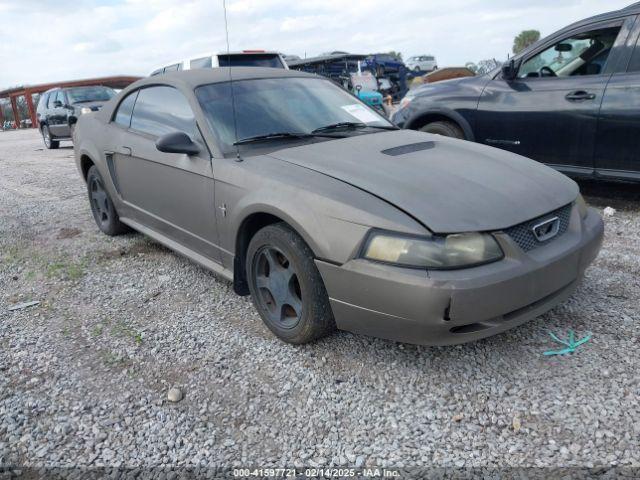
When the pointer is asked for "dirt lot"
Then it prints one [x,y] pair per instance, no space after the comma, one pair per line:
[84,374]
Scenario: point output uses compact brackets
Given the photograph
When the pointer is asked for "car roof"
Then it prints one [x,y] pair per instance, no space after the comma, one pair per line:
[204,76]
[632,9]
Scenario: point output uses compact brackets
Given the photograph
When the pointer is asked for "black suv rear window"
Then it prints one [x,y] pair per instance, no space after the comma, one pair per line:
[90,94]
[270,60]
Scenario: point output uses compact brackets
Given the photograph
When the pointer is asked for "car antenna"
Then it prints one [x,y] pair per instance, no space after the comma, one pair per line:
[233,98]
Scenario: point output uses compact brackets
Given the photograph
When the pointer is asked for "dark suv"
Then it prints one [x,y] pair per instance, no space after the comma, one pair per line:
[59,109]
[571,100]
[383,63]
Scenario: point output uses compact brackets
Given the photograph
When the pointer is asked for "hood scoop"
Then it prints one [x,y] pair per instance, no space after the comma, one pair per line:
[411,148]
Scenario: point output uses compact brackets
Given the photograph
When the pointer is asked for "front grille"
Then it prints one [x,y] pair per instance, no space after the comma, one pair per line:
[523,235]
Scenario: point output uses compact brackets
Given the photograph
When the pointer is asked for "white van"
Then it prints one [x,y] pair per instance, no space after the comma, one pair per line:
[246,58]
[424,63]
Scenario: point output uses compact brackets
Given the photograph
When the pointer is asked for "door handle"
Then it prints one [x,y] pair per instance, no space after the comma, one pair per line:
[580,96]
[125,151]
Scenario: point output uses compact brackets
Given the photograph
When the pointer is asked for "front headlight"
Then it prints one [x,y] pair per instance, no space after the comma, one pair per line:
[84,110]
[582,206]
[437,252]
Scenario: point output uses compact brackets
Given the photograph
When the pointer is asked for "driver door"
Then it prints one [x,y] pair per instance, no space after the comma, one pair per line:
[169,193]
[549,112]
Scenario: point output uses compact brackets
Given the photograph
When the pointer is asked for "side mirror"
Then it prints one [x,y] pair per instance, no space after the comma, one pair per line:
[177,142]
[509,70]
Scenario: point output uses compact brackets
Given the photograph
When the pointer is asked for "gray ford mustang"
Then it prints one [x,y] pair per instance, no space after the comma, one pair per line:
[328,215]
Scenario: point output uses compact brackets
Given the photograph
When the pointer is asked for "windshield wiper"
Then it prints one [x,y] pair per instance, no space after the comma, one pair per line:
[384,127]
[352,125]
[272,136]
[339,126]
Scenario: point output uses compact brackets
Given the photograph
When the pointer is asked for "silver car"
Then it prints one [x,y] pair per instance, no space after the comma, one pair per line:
[422,63]
[328,215]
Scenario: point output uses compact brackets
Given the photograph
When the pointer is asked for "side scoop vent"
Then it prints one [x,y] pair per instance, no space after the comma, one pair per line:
[412,147]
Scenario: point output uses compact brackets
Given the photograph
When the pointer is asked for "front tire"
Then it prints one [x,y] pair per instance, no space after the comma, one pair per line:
[49,143]
[104,212]
[444,128]
[286,286]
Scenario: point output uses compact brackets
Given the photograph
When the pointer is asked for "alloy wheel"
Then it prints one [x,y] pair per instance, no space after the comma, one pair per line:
[99,200]
[279,293]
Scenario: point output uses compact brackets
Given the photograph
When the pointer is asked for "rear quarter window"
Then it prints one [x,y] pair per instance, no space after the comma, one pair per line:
[42,102]
[204,62]
[125,109]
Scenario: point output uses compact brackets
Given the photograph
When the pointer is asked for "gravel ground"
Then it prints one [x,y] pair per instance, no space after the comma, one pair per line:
[84,374]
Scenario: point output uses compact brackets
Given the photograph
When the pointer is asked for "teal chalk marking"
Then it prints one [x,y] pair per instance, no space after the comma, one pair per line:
[571,343]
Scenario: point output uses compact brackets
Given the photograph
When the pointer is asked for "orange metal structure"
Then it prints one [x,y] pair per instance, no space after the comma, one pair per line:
[28,91]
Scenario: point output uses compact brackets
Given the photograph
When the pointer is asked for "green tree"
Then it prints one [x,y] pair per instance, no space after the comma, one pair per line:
[524,39]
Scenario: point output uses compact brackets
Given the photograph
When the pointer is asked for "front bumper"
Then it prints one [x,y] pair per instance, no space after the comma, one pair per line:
[450,307]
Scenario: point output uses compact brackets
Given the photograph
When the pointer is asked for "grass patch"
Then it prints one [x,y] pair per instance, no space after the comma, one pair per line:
[66,269]
[121,329]
[111,359]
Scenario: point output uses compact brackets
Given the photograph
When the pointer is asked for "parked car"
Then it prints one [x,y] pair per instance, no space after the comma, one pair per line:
[246,58]
[59,109]
[422,63]
[302,196]
[383,64]
[570,101]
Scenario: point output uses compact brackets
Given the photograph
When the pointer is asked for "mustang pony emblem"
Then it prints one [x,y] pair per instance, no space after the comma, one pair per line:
[546,230]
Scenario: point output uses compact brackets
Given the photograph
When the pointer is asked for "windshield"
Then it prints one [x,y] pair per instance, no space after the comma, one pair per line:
[90,94]
[265,106]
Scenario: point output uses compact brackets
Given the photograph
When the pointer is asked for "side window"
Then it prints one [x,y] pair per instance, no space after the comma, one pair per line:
[204,62]
[123,114]
[584,53]
[161,110]
[634,64]
[60,97]
[173,68]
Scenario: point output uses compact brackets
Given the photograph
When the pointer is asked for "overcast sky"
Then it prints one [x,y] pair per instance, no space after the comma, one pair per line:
[42,41]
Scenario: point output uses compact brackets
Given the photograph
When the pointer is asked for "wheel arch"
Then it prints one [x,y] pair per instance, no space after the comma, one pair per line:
[424,117]
[250,224]
[86,162]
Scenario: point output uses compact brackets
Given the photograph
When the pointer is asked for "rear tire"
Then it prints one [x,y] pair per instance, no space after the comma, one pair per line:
[286,286]
[49,143]
[104,212]
[444,128]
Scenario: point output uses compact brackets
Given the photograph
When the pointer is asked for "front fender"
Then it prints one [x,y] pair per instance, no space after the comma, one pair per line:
[301,217]
[438,111]
[330,215]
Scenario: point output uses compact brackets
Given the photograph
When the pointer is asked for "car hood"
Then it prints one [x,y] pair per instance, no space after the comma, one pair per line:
[447,185]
